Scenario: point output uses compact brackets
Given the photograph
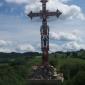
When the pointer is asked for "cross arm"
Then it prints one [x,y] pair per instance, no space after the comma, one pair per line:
[57,13]
[31,14]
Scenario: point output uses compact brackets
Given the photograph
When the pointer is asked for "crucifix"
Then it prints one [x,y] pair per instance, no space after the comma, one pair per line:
[44,14]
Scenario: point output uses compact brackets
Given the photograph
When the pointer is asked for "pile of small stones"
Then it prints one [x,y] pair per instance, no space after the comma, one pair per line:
[45,73]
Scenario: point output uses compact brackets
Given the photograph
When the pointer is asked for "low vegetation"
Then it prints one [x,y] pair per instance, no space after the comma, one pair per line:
[15,67]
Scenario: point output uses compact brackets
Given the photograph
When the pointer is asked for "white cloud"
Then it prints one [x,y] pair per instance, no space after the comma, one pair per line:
[72,46]
[69,11]
[10,46]
[71,38]
[6,50]
[72,42]
[64,36]
[5,43]
[6,46]
[25,48]
[35,7]
[69,46]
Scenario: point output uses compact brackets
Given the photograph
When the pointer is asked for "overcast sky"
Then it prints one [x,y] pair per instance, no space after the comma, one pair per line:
[19,34]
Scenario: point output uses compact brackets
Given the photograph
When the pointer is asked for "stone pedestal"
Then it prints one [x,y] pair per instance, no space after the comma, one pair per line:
[45,73]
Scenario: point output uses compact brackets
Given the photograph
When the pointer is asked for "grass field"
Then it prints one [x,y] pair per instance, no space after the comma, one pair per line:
[16,71]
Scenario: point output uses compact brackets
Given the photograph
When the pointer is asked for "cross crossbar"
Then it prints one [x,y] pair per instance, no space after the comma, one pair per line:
[47,14]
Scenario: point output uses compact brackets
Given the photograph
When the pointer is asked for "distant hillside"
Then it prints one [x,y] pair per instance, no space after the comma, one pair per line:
[71,54]
[16,57]
[14,54]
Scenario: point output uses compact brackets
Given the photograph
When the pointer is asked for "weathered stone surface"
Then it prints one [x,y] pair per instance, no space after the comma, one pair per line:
[45,73]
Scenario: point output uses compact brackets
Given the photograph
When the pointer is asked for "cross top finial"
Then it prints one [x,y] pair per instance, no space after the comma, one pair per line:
[44,1]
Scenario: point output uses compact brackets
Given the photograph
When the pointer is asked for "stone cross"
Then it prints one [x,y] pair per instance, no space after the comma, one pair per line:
[44,14]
